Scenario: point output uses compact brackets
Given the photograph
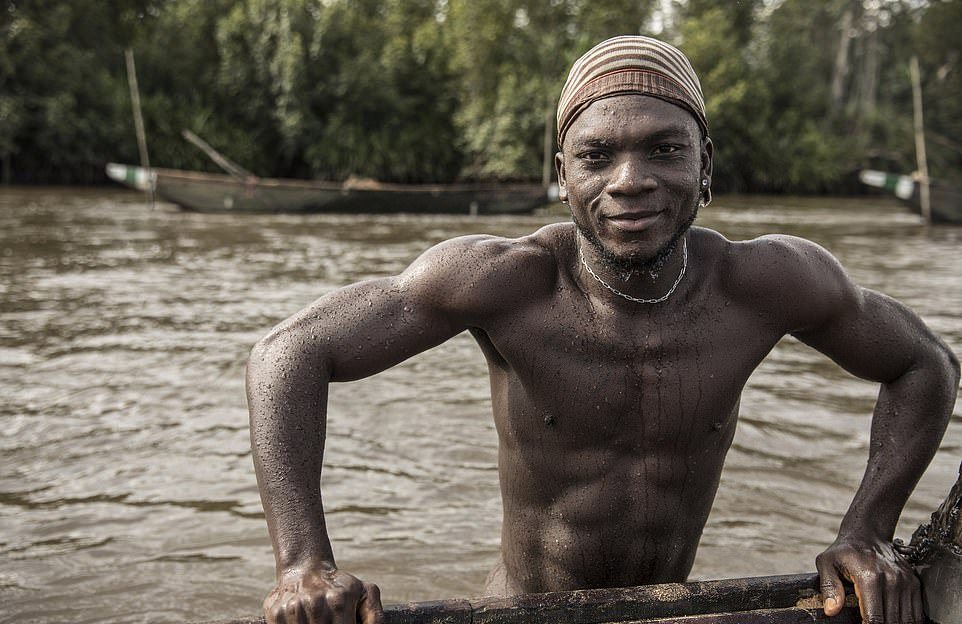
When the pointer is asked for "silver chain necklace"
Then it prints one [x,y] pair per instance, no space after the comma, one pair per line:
[681,275]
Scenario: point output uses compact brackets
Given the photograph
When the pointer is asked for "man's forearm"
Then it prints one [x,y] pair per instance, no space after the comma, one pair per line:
[287,399]
[910,418]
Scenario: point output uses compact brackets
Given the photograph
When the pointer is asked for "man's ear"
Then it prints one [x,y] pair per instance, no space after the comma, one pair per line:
[559,166]
[707,154]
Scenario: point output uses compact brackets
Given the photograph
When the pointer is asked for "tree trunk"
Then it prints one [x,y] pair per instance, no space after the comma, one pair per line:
[840,72]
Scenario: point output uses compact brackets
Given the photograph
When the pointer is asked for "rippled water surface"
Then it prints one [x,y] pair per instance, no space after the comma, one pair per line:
[126,487]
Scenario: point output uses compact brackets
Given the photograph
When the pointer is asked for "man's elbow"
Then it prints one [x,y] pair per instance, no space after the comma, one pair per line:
[284,357]
[951,363]
[260,353]
[943,362]
[260,358]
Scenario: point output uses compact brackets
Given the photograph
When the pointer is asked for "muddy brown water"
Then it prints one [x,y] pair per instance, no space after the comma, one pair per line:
[126,487]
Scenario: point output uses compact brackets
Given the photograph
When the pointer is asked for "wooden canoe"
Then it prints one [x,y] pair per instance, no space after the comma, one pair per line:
[219,193]
[945,198]
[935,549]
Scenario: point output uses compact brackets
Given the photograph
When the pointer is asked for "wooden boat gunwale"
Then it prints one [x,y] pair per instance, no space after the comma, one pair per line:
[935,550]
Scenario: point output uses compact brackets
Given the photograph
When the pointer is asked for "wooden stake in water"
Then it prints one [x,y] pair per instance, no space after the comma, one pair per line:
[920,140]
[138,120]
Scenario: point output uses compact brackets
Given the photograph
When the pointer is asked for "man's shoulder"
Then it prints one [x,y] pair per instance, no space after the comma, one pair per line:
[780,275]
[776,258]
[477,270]
[532,252]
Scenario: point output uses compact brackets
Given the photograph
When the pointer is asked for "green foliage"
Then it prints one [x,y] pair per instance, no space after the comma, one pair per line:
[513,58]
[59,102]
[439,90]
[381,105]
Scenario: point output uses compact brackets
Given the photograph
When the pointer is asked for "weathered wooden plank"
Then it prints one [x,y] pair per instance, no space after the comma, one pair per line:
[849,615]
[760,599]
[618,605]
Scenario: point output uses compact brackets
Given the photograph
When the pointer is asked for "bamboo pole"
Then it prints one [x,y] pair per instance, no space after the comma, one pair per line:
[222,161]
[138,120]
[920,140]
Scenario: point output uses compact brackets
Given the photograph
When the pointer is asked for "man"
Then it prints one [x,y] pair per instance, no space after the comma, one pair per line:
[618,346]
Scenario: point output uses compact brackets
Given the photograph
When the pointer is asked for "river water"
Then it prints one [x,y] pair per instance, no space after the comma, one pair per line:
[126,487]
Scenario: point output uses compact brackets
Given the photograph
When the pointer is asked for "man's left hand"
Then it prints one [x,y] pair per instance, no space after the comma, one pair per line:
[887,587]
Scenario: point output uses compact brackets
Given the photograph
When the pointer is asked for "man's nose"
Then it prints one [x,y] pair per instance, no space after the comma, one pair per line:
[631,177]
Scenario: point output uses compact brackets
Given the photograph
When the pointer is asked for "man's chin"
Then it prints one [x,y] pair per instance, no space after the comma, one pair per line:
[644,257]
[638,258]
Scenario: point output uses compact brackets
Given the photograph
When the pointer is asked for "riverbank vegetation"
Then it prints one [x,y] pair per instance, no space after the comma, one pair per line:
[800,93]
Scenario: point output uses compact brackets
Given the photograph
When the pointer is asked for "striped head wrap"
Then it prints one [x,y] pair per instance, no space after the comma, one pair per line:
[630,64]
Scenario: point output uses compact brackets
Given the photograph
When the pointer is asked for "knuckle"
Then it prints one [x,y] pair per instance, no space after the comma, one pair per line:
[336,601]
[309,603]
[293,610]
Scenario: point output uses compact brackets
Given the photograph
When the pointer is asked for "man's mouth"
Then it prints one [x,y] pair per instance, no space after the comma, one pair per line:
[634,221]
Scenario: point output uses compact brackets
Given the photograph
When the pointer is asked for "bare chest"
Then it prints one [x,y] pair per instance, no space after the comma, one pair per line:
[595,377]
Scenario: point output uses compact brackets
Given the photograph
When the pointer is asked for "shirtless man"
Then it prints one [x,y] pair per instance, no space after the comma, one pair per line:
[618,346]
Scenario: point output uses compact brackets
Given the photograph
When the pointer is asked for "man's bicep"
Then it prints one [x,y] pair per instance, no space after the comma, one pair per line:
[871,335]
[362,329]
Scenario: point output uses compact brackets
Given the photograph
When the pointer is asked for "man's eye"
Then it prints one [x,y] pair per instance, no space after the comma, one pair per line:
[665,150]
[593,156]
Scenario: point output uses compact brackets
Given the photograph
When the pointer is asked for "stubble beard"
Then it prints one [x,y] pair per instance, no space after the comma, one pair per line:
[626,267]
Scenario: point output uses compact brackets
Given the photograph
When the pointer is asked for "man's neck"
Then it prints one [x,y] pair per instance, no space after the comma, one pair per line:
[638,285]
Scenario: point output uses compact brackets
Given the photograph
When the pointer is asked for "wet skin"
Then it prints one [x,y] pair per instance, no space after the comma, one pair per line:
[613,417]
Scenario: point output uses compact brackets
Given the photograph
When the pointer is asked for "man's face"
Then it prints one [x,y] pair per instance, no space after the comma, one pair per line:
[631,169]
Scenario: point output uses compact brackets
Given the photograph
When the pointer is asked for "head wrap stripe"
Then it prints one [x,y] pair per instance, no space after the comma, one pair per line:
[630,64]
[648,49]
[672,63]
[670,70]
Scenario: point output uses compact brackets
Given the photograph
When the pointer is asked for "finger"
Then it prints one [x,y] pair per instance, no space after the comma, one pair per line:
[910,600]
[905,607]
[894,589]
[275,614]
[369,609]
[274,611]
[868,589]
[315,609]
[342,607]
[918,612]
[830,583]
[294,612]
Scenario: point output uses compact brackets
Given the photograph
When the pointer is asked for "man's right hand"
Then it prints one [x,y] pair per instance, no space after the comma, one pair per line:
[323,597]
